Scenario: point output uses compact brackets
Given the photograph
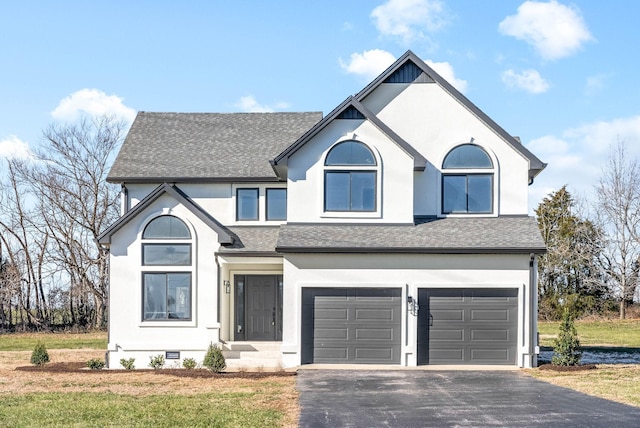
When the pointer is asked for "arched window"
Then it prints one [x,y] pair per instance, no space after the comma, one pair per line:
[167,263]
[467,181]
[350,178]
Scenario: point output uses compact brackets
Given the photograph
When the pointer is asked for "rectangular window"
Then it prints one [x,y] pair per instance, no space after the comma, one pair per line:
[166,254]
[276,204]
[350,191]
[247,204]
[471,193]
[166,296]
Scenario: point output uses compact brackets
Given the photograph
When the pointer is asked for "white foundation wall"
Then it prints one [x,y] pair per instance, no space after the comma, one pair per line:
[409,273]
[129,335]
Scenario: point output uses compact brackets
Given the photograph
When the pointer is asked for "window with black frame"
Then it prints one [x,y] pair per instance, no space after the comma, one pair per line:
[350,178]
[167,269]
[467,181]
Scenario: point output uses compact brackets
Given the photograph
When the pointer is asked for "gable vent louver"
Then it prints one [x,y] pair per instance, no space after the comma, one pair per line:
[351,113]
[409,73]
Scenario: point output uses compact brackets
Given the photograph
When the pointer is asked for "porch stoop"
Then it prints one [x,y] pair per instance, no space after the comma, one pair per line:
[252,355]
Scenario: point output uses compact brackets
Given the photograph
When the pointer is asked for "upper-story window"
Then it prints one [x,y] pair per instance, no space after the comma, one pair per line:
[467,181]
[276,207]
[167,264]
[247,204]
[350,178]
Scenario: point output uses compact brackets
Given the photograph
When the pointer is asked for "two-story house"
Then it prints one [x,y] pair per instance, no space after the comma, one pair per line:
[393,230]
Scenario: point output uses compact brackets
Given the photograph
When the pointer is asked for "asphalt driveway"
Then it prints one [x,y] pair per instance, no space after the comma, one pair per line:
[413,398]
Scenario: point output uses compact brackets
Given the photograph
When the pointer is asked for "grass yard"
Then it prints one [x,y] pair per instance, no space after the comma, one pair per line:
[138,398]
[28,341]
[617,382]
[619,333]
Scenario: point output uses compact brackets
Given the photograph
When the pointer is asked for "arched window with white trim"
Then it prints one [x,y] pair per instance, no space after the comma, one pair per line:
[350,178]
[467,181]
[167,262]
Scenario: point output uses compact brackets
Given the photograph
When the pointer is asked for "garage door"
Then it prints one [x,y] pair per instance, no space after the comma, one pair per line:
[351,325]
[467,326]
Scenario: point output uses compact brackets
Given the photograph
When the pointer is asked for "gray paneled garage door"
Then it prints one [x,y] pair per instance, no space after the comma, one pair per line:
[467,326]
[351,325]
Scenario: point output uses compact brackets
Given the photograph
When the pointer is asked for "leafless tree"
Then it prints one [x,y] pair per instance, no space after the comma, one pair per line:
[24,250]
[618,212]
[73,204]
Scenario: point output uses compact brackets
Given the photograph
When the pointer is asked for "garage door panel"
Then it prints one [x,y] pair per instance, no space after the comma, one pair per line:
[489,315]
[491,355]
[479,328]
[490,335]
[324,314]
[447,315]
[332,333]
[449,335]
[360,326]
[374,314]
[374,354]
[382,334]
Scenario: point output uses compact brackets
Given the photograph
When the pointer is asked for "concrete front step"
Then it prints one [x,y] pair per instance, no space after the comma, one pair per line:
[252,354]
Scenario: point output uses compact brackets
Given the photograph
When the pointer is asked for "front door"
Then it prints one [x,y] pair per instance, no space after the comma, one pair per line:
[260,307]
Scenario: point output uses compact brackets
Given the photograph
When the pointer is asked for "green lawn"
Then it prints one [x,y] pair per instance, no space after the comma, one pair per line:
[141,398]
[107,409]
[28,341]
[617,333]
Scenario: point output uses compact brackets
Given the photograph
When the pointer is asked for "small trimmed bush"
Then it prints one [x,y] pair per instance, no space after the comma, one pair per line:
[128,363]
[39,356]
[95,364]
[189,363]
[156,362]
[214,360]
[566,349]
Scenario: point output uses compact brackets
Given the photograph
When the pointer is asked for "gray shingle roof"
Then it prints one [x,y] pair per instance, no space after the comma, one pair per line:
[166,147]
[251,239]
[447,235]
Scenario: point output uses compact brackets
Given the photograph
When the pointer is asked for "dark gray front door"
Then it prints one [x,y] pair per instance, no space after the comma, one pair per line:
[467,326]
[263,307]
[351,325]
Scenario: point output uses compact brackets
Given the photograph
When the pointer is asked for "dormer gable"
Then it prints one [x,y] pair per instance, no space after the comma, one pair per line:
[351,108]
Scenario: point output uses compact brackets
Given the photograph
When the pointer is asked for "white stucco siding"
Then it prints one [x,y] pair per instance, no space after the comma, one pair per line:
[394,179]
[217,199]
[409,273]
[128,333]
[434,122]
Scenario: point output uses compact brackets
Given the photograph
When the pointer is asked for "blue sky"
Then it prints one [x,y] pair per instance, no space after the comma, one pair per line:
[561,75]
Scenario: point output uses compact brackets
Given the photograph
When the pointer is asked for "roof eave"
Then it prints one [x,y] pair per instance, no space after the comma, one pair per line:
[412,250]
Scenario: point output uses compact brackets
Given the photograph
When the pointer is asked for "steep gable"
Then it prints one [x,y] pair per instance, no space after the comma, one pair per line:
[409,68]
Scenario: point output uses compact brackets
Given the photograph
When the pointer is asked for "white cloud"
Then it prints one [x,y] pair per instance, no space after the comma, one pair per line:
[445,70]
[578,155]
[553,29]
[94,103]
[529,80]
[249,104]
[14,148]
[368,64]
[409,20]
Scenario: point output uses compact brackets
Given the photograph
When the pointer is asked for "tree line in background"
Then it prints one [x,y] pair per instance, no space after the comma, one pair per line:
[55,203]
[53,206]
[593,252]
